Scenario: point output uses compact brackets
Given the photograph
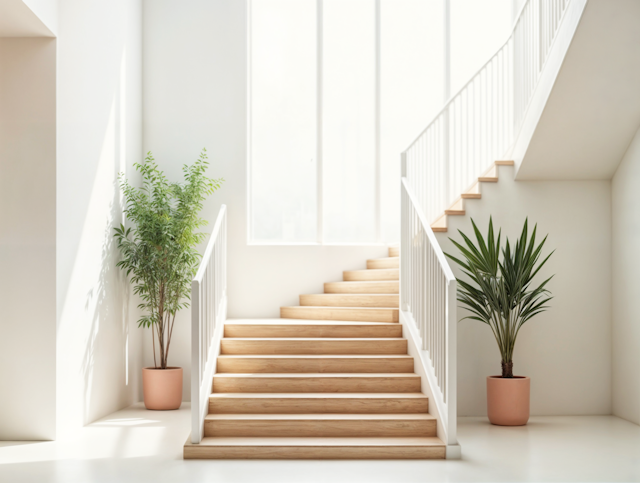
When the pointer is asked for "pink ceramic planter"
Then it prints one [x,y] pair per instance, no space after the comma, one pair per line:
[162,388]
[508,400]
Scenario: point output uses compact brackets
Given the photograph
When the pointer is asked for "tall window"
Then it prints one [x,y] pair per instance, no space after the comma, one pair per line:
[338,88]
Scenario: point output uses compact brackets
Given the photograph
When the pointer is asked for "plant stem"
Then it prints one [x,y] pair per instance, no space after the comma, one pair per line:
[507,370]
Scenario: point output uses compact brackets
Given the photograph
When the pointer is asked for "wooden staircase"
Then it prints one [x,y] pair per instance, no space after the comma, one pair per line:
[473,193]
[331,379]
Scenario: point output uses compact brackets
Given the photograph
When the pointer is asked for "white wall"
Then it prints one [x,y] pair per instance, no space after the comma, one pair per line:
[27,238]
[567,350]
[625,207]
[194,86]
[99,135]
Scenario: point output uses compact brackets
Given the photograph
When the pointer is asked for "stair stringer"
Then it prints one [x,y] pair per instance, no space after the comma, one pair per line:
[422,367]
[546,82]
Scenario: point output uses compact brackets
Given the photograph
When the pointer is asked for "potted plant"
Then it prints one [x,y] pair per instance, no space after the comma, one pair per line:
[159,253]
[501,294]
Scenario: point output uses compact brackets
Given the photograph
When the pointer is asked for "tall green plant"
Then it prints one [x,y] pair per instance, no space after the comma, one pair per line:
[501,292]
[159,249]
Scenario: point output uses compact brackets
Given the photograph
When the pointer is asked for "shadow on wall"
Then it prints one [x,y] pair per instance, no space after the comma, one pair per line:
[99,352]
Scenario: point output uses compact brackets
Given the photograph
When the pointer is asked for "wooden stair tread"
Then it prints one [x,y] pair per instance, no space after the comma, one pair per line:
[368,314]
[490,176]
[321,441]
[315,356]
[318,402]
[320,375]
[350,300]
[320,395]
[329,307]
[381,263]
[371,274]
[363,287]
[472,193]
[440,225]
[456,209]
[310,322]
[322,416]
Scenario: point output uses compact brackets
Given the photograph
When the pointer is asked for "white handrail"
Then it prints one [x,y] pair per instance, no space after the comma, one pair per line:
[478,125]
[208,313]
[428,298]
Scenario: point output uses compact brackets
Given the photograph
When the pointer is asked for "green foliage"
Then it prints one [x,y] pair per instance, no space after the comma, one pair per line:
[159,248]
[501,292]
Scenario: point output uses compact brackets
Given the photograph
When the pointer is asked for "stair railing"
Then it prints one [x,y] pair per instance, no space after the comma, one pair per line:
[208,313]
[428,299]
[479,124]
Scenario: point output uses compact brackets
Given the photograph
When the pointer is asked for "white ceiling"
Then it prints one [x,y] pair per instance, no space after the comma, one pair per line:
[593,111]
[17,20]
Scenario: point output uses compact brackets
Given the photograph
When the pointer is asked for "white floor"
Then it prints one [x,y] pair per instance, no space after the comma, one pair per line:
[135,445]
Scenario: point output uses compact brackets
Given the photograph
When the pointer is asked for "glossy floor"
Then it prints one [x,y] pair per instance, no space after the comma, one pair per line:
[135,445]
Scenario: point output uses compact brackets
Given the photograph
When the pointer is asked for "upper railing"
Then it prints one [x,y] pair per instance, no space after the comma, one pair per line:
[479,124]
[208,313]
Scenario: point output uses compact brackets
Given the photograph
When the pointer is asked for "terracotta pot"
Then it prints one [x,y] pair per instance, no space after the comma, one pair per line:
[508,400]
[162,388]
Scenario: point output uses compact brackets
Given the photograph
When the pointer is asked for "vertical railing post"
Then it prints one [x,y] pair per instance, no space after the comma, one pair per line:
[196,366]
[451,328]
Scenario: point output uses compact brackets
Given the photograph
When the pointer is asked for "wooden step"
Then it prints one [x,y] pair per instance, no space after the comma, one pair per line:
[472,193]
[365,275]
[377,287]
[318,328]
[378,263]
[301,383]
[490,176]
[456,209]
[360,314]
[440,225]
[394,251]
[314,363]
[415,447]
[328,403]
[350,300]
[320,425]
[295,346]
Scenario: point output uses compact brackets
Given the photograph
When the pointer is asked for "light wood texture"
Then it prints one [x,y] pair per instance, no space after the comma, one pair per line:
[490,176]
[364,275]
[361,314]
[456,209]
[313,346]
[314,363]
[316,448]
[330,379]
[350,300]
[379,287]
[319,328]
[301,383]
[378,263]
[440,225]
[326,403]
[505,163]
[472,193]
[320,425]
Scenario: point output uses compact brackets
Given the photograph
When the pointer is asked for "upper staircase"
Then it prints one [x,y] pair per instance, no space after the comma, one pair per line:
[330,379]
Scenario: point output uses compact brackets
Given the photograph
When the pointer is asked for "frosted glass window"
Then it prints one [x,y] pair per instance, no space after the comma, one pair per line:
[283,120]
[349,121]
[411,94]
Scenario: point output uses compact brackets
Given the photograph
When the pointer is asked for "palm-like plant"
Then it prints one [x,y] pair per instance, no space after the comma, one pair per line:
[159,250]
[501,293]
